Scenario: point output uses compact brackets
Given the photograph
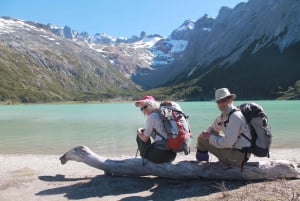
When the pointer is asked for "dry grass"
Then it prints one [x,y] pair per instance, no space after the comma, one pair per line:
[285,190]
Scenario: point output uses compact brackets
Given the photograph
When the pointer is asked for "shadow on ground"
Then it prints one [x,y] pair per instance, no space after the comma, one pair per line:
[159,188]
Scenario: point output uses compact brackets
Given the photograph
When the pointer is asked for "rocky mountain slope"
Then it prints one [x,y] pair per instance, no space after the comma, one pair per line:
[65,58]
[38,66]
[252,49]
[137,55]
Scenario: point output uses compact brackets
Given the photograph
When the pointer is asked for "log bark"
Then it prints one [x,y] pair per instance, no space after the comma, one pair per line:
[184,169]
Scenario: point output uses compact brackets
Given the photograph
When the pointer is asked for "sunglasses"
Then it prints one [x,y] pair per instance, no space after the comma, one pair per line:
[223,100]
[144,107]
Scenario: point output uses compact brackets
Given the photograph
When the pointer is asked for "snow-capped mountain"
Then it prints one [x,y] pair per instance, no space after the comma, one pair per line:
[169,52]
[39,66]
[133,57]
[148,51]
[252,49]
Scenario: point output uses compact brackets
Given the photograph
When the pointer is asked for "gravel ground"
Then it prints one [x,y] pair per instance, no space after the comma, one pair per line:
[42,177]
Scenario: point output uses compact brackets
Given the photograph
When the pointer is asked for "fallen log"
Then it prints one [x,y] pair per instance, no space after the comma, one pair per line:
[184,169]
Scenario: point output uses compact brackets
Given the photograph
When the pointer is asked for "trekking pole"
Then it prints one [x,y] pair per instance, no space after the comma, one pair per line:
[137,151]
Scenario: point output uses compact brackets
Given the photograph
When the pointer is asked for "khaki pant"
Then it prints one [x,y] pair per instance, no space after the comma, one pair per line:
[231,157]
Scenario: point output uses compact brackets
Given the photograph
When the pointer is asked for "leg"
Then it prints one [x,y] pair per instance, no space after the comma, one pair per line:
[160,156]
[143,146]
[147,150]
[231,157]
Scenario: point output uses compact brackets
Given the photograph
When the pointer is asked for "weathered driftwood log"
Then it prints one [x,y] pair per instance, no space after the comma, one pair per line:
[184,169]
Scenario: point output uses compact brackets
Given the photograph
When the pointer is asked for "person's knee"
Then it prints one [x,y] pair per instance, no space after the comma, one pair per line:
[138,140]
[232,158]
[159,156]
[172,156]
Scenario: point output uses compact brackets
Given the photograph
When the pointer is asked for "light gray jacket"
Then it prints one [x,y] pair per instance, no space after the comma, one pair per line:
[229,132]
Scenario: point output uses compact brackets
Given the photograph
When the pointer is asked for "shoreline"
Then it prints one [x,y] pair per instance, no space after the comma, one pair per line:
[7,103]
[42,177]
[292,154]
[130,152]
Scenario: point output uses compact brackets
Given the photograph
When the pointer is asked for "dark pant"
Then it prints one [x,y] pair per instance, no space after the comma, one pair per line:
[148,151]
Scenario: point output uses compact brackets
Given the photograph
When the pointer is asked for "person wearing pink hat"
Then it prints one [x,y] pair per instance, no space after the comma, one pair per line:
[156,151]
[222,138]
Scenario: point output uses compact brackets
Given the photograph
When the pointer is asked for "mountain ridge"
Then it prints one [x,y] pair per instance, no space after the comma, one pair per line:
[257,38]
[36,65]
[236,42]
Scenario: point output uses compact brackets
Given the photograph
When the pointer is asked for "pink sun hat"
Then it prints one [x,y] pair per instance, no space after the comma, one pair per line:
[143,100]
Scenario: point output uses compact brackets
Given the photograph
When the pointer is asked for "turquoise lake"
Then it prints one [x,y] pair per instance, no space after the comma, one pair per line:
[110,128]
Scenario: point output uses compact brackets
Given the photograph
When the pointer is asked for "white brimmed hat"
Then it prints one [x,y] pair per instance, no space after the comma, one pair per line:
[223,93]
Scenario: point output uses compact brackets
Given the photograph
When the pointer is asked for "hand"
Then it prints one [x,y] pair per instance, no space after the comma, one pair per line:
[140,134]
[140,131]
[204,135]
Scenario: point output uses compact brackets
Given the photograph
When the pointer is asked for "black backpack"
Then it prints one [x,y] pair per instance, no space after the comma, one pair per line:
[261,135]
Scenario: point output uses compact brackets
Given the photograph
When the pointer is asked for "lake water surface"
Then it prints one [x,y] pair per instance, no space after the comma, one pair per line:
[110,128]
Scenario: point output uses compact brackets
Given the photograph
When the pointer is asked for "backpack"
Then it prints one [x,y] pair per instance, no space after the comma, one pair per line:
[176,126]
[261,135]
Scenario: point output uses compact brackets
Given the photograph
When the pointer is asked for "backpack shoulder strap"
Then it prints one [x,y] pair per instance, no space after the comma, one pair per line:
[242,134]
[230,113]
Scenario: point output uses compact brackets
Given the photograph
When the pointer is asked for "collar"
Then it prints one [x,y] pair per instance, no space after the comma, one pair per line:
[227,110]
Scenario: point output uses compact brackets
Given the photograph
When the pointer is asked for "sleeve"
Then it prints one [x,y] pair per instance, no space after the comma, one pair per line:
[150,125]
[231,133]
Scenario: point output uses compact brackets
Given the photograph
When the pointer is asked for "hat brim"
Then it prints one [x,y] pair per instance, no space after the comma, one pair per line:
[233,96]
[144,100]
[139,103]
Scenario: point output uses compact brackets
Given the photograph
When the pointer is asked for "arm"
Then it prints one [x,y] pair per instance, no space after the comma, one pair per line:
[231,133]
[145,133]
[213,128]
[141,135]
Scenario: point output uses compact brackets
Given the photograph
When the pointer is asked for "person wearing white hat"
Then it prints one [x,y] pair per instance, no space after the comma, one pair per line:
[222,137]
[156,151]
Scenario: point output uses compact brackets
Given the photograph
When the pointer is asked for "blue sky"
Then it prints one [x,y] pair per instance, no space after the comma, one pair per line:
[118,18]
